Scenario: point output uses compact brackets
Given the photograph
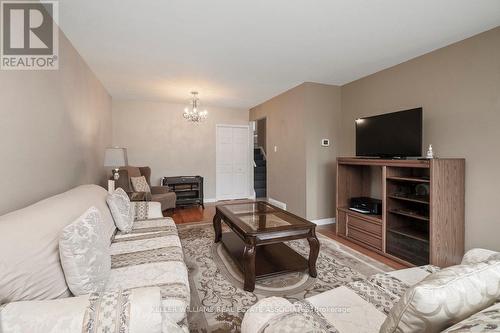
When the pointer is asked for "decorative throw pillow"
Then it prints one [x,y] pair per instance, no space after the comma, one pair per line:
[122,210]
[445,298]
[140,184]
[475,256]
[85,254]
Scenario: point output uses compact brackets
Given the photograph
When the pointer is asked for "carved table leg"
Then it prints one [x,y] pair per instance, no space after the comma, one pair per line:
[313,253]
[249,267]
[217,227]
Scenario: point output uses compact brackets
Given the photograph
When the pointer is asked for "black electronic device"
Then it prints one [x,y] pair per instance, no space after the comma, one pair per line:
[366,205]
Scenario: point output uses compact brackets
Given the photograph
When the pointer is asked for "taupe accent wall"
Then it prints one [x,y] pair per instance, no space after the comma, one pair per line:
[459,88]
[286,168]
[323,121]
[156,135]
[301,173]
[53,130]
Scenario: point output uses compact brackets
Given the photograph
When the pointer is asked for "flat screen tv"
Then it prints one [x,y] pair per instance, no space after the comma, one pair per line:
[390,135]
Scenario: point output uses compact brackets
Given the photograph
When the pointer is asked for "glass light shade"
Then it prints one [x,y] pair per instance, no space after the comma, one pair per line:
[115,157]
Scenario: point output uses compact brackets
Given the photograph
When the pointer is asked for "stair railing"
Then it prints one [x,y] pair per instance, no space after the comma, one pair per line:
[263,153]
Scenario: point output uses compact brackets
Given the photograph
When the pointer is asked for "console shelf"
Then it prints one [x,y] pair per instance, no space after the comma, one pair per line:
[422,219]
[189,189]
[411,215]
[409,179]
[422,201]
[411,233]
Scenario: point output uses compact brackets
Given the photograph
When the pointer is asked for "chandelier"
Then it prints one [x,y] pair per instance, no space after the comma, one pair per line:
[191,113]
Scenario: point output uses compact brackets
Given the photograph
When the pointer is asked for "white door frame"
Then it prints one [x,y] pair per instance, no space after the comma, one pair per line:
[251,190]
[250,156]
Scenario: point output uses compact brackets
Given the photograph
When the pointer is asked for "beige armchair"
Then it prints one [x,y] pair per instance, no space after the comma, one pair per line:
[161,194]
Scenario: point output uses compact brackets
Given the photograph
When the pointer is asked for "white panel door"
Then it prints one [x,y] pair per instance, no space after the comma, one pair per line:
[233,166]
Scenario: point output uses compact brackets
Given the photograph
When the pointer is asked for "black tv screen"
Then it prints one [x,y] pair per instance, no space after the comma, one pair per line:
[397,134]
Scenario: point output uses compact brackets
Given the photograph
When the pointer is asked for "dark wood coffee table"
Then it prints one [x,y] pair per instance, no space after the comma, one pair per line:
[256,242]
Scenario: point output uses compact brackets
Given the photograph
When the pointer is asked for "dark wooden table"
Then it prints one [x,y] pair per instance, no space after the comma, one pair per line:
[256,242]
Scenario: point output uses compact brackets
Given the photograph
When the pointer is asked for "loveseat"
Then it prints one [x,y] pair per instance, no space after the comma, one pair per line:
[147,289]
[460,298]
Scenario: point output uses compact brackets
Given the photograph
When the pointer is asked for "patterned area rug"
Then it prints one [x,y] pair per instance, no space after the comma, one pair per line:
[218,301]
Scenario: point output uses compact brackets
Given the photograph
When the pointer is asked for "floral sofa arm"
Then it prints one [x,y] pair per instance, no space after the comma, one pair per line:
[133,311]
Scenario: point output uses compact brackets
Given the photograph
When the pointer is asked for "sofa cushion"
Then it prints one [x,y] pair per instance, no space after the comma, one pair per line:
[151,255]
[445,298]
[29,240]
[122,209]
[167,200]
[140,184]
[130,311]
[85,254]
[145,210]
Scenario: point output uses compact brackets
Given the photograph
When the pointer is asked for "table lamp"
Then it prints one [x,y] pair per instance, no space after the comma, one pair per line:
[115,158]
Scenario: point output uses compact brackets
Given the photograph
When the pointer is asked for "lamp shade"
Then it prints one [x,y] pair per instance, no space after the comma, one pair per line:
[115,157]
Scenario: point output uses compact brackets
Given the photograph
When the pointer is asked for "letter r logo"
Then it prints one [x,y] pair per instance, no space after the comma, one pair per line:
[27,28]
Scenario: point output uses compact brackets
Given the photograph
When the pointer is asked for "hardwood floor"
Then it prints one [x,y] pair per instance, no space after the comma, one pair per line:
[192,214]
[197,214]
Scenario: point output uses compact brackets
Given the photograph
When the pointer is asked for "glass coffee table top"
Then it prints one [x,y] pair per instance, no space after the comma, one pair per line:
[250,208]
[260,216]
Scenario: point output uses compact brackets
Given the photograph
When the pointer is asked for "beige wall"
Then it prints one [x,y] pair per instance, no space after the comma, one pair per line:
[322,120]
[286,168]
[459,88]
[54,128]
[298,172]
[157,135]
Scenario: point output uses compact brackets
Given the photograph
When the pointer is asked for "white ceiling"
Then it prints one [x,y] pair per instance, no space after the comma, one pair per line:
[240,53]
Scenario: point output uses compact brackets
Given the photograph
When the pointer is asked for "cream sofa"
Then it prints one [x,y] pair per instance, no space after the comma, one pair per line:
[147,289]
[363,306]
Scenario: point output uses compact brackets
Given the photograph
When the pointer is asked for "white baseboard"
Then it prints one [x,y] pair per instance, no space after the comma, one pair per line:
[330,220]
[212,200]
[277,203]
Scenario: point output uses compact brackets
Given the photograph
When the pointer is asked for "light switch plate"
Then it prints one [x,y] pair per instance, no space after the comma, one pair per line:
[325,142]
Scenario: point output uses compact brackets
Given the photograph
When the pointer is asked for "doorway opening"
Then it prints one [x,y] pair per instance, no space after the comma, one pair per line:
[260,159]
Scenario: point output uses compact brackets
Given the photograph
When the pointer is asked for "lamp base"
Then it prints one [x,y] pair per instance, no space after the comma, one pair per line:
[111,186]
[116,174]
